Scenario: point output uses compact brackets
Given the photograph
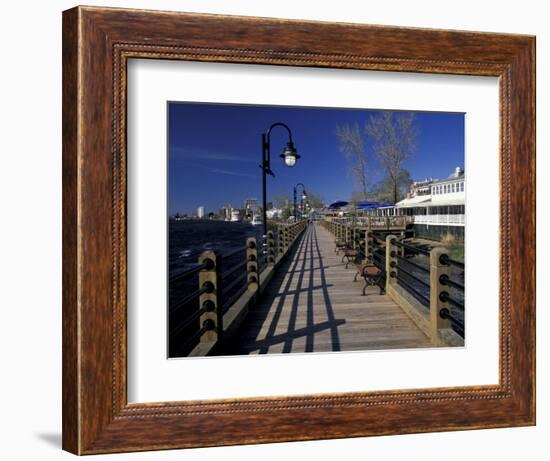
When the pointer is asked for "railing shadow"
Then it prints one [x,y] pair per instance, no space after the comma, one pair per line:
[275,290]
[335,339]
[281,289]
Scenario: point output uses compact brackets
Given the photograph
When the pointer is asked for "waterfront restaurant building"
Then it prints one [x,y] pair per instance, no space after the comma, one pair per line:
[437,206]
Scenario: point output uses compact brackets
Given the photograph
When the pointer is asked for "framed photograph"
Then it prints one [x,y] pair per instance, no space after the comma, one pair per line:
[280,230]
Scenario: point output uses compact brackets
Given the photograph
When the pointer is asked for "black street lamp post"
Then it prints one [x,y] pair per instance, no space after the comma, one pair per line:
[289,155]
[303,197]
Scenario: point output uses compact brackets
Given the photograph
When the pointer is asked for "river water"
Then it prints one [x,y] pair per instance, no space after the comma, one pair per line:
[189,238]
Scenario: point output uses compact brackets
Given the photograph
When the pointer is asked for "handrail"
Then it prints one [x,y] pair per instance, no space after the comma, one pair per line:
[445,280]
[227,288]
[411,247]
[235,268]
[446,298]
[411,289]
[411,275]
[186,273]
[234,252]
[188,321]
[378,240]
[449,261]
[208,325]
[230,301]
[380,264]
[190,297]
[444,313]
[408,261]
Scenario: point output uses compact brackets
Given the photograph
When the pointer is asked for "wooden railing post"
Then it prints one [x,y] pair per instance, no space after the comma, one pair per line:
[209,278]
[286,238]
[252,272]
[280,240]
[391,257]
[270,247]
[437,269]
[289,236]
[369,246]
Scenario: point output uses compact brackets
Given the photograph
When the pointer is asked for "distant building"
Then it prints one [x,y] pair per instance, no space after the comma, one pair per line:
[437,206]
[225,212]
[274,213]
[251,205]
[201,212]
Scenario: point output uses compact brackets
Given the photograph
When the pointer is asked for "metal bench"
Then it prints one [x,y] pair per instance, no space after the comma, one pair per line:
[339,244]
[372,275]
[350,255]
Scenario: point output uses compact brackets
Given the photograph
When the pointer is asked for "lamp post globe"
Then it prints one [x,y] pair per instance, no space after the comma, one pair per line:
[290,155]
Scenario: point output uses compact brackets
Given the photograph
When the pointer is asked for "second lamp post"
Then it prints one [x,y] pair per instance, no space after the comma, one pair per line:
[304,196]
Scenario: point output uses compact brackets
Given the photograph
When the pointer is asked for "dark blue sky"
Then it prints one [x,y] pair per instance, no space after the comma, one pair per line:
[214,152]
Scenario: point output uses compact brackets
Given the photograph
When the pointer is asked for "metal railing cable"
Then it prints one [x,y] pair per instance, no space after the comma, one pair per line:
[425,301]
[187,299]
[185,273]
[190,343]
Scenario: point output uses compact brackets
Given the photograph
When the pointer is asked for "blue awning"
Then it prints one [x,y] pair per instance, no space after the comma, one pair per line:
[368,205]
[338,204]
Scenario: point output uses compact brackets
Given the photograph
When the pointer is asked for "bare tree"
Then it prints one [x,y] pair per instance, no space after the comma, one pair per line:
[393,137]
[315,200]
[352,145]
[384,190]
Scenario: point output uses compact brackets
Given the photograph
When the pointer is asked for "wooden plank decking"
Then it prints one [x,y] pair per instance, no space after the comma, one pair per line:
[313,305]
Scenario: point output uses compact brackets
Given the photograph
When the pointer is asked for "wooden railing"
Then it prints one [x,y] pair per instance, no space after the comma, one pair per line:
[209,315]
[417,278]
[376,223]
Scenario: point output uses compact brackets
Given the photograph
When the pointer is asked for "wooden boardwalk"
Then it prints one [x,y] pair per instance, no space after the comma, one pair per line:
[313,305]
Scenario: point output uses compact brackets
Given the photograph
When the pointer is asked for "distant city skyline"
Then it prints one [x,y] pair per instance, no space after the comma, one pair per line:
[214,152]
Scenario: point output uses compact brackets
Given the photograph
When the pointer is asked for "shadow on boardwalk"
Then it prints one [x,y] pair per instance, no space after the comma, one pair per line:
[312,305]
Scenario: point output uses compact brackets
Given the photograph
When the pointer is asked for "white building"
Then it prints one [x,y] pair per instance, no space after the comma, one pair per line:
[437,206]
[274,213]
[251,204]
[436,201]
[201,212]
